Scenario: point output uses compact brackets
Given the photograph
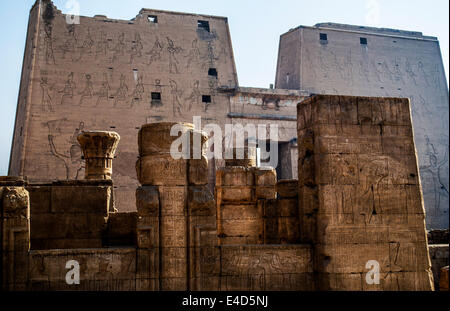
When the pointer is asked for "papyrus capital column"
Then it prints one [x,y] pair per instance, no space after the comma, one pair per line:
[98,148]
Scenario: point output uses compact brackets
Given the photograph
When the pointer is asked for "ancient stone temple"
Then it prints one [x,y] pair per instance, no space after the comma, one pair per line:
[160,66]
[98,197]
[357,206]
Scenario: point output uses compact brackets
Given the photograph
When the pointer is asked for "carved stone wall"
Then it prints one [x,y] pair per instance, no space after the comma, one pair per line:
[174,207]
[70,214]
[392,63]
[359,193]
[114,74]
[15,233]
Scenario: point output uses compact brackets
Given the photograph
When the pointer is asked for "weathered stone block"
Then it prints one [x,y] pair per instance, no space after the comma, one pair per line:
[265,176]
[237,194]
[147,200]
[235,176]
[287,188]
[266,192]
[121,229]
[159,170]
[155,138]
[240,212]
[200,200]
[198,171]
[173,200]
[81,199]
[40,199]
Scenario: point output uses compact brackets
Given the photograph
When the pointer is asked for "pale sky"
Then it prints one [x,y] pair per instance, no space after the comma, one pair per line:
[255,26]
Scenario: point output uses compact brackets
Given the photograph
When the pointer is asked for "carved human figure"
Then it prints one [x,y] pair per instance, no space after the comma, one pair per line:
[88,91]
[408,68]
[103,93]
[210,55]
[155,52]
[48,44]
[46,97]
[421,70]
[434,169]
[194,54]
[119,49]
[256,275]
[69,45]
[436,77]
[101,45]
[122,91]
[138,92]
[173,50]
[397,73]
[136,47]
[71,158]
[68,90]
[88,43]
[194,98]
[176,102]
[373,174]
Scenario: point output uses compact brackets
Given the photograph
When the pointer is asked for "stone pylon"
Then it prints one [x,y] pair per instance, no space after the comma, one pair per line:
[98,148]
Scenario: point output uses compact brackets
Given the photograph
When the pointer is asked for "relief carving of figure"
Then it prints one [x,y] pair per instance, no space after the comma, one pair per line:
[48,44]
[194,54]
[408,68]
[103,93]
[138,92]
[434,168]
[68,90]
[102,45]
[122,91]
[88,43]
[421,70]
[176,101]
[256,275]
[119,49]
[72,158]
[69,45]
[194,98]
[136,48]
[155,52]
[46,97]
[373,174]
[88,91]
[173,50]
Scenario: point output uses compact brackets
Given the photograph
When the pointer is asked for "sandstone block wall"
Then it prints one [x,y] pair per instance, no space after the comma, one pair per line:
[359,193]
[240,192]
[70,214]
